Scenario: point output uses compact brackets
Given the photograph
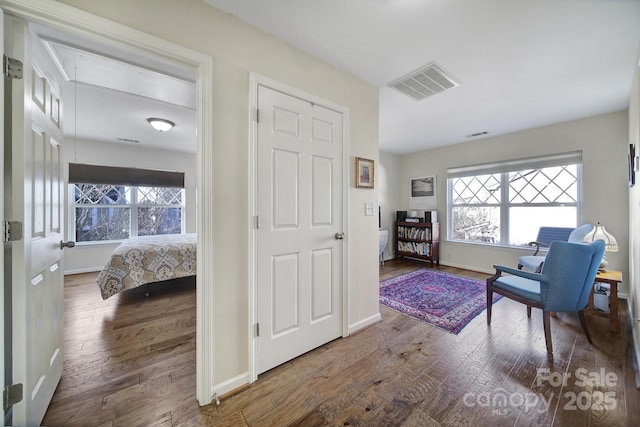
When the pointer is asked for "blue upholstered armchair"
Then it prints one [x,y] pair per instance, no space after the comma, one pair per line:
[547,235]
[563,285]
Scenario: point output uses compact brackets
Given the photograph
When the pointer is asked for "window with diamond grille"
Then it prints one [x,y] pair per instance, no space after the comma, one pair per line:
[506,203]
[105,212]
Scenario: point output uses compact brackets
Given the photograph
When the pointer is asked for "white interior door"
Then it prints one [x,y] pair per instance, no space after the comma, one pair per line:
[299,237]
[36,200]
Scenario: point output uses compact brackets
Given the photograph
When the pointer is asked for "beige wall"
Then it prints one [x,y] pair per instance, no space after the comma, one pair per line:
[634,214]
[603,141]
[238,49]
[92,257]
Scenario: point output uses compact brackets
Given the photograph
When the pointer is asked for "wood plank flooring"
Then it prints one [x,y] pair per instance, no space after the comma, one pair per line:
[130,361]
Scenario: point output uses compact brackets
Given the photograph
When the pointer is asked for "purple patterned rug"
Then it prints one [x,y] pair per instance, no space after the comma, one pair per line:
[443,300]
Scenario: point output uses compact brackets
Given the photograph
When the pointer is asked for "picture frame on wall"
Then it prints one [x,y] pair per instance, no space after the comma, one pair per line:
[631,158]
[365,170]
[422,192]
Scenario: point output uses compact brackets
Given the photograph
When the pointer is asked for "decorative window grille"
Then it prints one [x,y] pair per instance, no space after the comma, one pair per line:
[105,212]
[508,206]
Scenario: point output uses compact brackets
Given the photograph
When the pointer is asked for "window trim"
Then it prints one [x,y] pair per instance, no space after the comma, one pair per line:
[503,168]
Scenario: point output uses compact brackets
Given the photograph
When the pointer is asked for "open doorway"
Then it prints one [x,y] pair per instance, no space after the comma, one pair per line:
[201,65]
[108,95]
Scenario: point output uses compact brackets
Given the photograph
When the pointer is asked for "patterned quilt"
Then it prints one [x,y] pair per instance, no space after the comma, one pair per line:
[148,259]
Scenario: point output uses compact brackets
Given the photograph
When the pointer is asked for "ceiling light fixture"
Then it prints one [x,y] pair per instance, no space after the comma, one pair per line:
[161,125]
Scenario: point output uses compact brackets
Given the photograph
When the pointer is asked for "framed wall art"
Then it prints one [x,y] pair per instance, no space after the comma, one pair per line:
[422,192]
[364,173]
[631,159]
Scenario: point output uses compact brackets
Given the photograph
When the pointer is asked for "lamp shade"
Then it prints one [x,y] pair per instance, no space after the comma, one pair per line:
[161,125]
[599,233]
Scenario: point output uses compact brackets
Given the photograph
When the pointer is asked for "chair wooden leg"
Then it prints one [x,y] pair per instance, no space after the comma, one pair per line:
[528,311]
[583,322]
[546,319]
[489,304]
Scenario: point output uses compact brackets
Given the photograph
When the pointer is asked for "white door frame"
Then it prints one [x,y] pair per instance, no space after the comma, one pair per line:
[2,118]
[255,81]
[87,25]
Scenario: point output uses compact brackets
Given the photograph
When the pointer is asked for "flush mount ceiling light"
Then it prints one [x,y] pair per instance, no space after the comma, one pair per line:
[161,125]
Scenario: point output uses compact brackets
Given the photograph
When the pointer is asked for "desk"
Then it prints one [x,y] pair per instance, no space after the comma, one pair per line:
[612,278]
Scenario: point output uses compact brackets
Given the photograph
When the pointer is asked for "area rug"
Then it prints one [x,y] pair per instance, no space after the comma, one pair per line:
[443,300]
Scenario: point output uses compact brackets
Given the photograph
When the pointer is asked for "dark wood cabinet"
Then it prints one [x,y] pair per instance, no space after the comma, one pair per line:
[418,240]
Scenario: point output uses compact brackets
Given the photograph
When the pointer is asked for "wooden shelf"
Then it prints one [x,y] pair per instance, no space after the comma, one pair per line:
[417,240]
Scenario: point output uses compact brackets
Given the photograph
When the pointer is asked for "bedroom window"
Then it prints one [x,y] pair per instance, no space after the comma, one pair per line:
[113,203]
[106,212]
[506,203]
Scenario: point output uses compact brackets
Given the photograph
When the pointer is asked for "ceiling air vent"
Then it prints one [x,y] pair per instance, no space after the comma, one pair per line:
[135,141]
[473,135]
[424,82]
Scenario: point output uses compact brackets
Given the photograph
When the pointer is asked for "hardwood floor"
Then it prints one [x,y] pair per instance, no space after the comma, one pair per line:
[130,361]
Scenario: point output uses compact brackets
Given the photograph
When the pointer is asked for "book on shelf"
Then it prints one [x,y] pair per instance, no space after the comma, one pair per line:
[415,248]
[412,219]
[415,233]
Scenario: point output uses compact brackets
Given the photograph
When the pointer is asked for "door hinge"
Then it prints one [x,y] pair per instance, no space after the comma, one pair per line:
[257,115]
[12,68]
[12,231]
[257,222]
[12,394]
[257,329]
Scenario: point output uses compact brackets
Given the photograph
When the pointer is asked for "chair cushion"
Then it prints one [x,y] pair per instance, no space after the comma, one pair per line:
[531,262]
[525,288]
[552,234]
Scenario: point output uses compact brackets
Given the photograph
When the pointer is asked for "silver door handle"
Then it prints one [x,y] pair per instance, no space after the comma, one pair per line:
[68,244]
[339,236]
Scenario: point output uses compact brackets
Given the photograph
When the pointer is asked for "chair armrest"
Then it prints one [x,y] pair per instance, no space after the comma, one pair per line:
[538,277]
[538,245]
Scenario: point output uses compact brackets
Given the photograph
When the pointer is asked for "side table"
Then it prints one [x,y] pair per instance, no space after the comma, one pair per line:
[612,278]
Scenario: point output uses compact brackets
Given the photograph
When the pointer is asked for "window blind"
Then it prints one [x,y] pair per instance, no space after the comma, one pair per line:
[96,174]
[560,159]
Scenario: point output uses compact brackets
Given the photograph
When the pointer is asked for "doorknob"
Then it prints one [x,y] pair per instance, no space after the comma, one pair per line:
[68,244]
[339,236]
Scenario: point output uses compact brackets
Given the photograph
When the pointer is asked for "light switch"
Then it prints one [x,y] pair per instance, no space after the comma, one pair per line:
[368,209]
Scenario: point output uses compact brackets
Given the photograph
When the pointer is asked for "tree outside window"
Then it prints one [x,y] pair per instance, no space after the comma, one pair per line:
[509,207]
[106,212]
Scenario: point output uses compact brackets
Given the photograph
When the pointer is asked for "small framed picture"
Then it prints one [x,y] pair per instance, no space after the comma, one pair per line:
[631,158]
[364,173]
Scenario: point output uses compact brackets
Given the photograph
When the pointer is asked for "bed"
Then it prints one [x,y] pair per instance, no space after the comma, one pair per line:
[147,259]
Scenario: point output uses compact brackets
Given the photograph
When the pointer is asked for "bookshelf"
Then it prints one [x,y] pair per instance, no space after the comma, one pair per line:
[418,240]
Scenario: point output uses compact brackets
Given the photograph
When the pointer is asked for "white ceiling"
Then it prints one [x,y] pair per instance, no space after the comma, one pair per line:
[110,91]
[520,64]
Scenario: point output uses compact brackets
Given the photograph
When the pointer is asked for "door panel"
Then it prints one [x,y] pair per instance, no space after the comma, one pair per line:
[36,200]
[285,189]
[299,259]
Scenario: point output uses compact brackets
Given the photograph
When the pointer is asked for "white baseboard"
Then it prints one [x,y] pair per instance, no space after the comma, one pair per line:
[634,348]
[228,385]
[364,323]
[83,270]
[468,267]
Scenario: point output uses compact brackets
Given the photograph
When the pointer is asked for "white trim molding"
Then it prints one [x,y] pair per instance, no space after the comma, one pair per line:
[86,25]
[230,385]
[365,323]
